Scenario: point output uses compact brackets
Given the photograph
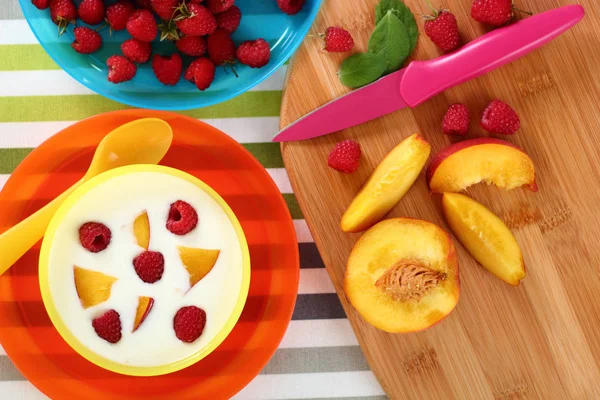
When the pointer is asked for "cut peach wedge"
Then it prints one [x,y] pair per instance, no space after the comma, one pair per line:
[485,237]
[92,287]
[480,160]
[198,262]
[143,309]
[390,181]
[402,275]
[141,230]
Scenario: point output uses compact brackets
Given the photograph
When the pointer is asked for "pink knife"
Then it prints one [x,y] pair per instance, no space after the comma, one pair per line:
[421,80]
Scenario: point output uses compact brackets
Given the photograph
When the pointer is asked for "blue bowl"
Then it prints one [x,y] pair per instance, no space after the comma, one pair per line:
[260,19]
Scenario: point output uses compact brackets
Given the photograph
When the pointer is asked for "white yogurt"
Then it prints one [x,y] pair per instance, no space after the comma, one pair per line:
[116,203]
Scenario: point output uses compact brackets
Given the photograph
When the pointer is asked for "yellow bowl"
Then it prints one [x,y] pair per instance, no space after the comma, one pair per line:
[66,333]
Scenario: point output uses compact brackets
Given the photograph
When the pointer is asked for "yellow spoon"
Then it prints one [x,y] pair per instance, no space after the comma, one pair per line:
[144,141]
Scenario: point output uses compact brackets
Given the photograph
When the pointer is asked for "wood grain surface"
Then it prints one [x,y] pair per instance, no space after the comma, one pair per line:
[540,340]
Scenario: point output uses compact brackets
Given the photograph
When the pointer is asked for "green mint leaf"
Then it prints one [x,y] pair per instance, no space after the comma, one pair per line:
[403,13]
[390,40]
[361,69]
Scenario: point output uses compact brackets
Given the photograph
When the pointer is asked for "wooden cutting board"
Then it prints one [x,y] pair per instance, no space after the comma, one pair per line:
[540,340]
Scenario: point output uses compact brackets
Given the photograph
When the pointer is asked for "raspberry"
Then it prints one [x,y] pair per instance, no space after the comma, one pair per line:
[136,50]
[196,20]
[164,8]
[86,40]
[291,7]
[499,117]
[221,49]
[456,120]
[254,53]
[149,266]
[201,72]
[345,156]
[338,40]
[182,218]
[91,11]
[141,25]
[442,29]
[194,46]
[230,19]
[41,4]
[62,13]
[94,236]
[219,6]
[108,326]
[118,14]
[189,323]
[493,12]
[120,69]
[167,68]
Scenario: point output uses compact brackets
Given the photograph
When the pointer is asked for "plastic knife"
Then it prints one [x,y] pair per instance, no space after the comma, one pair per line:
[421,80]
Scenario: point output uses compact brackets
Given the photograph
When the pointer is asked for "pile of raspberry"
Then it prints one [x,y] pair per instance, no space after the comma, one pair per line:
[189,321]
[201,29]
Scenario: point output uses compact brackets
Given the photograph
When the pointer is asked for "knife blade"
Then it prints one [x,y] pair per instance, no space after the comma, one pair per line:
[421,80]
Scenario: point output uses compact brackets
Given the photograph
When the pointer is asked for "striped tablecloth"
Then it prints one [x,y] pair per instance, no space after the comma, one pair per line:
[319,356]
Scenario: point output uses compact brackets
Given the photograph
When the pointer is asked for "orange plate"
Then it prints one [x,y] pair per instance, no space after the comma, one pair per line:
[37,349]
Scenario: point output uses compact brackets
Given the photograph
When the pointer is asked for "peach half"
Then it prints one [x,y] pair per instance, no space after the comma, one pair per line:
[485,237]
[141,230]
[402,275]
[480,160]
[390,181]
[143,309]
[92,287]
[197,262]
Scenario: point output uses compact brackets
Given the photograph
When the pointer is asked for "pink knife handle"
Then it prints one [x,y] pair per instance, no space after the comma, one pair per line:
[424,79]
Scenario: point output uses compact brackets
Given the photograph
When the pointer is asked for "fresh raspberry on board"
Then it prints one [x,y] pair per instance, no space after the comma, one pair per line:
[118,14]
[167,68]
[345,156]
[41,4]
[494,12]
[182,217]
[499,117]
[94,236]
[221,49]
[254,53]
[291,7]
[338,40]
[196,20]
[86,40]
[219,6]
[456,120]
[149,266]
[62,13]
[230,20]
[108,326]
[120,69]
[136,50]
[141,25]
[189,323]
[164,8]
[442,29]
[194,46]
[91,11]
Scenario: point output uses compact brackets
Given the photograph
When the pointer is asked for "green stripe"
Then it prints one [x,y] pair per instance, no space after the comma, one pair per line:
[76,107]
[293,206]
[25,57]
[267,153]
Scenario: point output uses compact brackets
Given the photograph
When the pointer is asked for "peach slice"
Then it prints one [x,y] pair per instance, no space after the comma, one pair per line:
[141,230]
[402,275]
[485,236]
[143,309]
[92,287]
[198,262]
[480,160]
[390,181]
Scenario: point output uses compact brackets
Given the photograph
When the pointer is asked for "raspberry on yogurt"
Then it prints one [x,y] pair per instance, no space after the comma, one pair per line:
[149,266]
[189,323]
[94,236]
[182,218]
